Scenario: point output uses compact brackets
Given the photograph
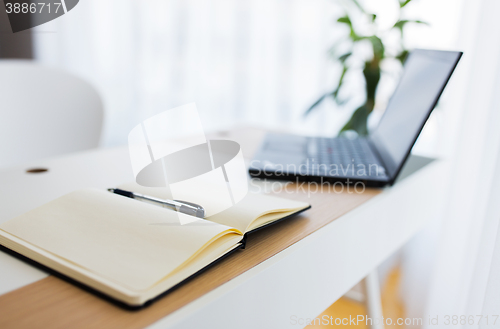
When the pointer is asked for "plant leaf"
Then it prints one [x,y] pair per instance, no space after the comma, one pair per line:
[344,57]
[312,107]
[371,73]
[359,118]
[401,23]
[402,56]
[345,19]
[335,93]
[378,47]
[403,3]
[358,5]
[357,122]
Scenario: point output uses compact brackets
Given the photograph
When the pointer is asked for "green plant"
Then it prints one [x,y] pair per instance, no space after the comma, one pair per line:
[371,67]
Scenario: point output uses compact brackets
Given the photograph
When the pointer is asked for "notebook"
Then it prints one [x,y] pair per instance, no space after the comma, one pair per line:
[130,251]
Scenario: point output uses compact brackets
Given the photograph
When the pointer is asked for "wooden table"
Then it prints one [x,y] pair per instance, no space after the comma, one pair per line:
[293,270]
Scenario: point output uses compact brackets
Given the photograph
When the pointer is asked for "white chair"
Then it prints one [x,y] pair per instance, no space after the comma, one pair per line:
[45,112]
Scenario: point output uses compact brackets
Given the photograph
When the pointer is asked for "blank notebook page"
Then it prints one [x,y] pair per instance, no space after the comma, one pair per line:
[131,243]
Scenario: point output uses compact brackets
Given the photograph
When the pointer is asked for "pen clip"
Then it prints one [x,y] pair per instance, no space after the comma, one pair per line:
[200,212]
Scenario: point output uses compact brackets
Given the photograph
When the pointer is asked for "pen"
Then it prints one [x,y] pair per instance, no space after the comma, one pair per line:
[184,207]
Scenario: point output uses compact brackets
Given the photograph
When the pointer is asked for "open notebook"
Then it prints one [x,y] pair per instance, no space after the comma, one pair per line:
[129,250]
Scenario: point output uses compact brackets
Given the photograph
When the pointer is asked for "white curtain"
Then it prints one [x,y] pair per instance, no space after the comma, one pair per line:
[259,62]
[461,276]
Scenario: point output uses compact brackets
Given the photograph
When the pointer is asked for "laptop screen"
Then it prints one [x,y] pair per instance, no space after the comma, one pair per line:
[425,75]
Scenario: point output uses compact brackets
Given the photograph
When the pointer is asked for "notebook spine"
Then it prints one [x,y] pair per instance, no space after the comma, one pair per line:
[244,241]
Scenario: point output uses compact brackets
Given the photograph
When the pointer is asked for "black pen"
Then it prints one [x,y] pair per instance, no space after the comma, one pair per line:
[184,207]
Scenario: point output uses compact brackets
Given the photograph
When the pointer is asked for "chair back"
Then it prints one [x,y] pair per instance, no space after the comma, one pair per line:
[45,112]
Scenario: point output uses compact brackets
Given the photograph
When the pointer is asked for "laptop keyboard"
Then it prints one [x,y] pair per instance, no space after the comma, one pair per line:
[342,157]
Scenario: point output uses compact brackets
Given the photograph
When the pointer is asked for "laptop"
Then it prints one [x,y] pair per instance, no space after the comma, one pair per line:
[376,159]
